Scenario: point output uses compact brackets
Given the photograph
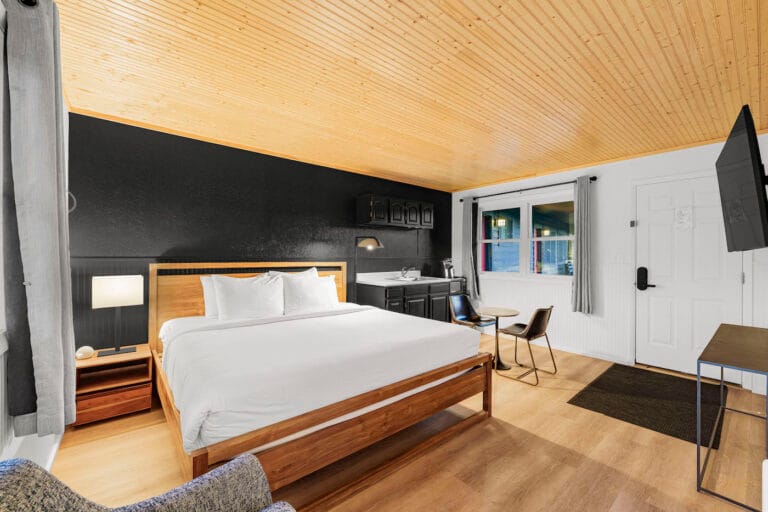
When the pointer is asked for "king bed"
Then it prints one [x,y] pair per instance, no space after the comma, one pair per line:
[302,389]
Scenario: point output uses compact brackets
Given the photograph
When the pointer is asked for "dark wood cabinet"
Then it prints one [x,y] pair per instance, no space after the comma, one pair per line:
[427,215]
[379,210]
[438,301]
[373,210]
[416,306]
[412,213]
[397,212]
[438,308]
[395,305]
[418,299]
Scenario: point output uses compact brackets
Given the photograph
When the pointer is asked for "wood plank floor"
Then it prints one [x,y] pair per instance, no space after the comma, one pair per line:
[537,453]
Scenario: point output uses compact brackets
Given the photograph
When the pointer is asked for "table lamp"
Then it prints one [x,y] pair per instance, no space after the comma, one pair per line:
[116,292]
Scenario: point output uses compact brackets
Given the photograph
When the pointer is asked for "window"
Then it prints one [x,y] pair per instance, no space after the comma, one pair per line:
[501,241]
[552,238]
[545,230]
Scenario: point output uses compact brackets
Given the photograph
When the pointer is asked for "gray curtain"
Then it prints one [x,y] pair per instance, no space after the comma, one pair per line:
[468,248]
[35,225]
[581,297]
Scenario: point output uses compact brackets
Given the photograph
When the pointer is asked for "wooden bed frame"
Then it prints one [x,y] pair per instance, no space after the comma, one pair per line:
[175,291]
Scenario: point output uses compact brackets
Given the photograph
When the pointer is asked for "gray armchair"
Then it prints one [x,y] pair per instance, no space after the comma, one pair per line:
[238,486]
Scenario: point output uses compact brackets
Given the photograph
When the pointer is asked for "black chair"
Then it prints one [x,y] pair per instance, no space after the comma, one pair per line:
[535,328]
[463,313]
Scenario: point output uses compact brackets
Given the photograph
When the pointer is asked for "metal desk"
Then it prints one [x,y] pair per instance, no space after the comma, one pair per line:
[739,348]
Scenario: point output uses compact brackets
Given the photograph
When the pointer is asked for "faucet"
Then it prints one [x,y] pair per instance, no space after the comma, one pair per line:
[404,271]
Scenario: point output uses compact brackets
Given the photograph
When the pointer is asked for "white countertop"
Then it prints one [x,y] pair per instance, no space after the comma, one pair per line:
[390,279]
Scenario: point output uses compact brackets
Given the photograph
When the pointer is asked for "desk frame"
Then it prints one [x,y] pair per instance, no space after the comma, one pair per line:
[701,468]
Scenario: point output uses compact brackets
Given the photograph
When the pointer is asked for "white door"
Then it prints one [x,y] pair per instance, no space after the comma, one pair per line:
[681,241]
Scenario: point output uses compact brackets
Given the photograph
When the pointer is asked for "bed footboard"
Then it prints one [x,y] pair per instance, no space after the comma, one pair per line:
[292,460]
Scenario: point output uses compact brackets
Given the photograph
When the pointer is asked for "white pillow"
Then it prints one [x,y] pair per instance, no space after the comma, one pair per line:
[307,294]
[255,297]
[209,296]
[310,272]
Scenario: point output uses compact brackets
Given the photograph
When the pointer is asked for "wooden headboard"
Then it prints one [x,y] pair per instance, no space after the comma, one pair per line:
[175,289]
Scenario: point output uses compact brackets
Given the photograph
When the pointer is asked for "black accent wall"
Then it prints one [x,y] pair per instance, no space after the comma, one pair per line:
[145,196]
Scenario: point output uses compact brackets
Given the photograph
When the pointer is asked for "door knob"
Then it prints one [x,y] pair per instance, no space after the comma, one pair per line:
[642,279]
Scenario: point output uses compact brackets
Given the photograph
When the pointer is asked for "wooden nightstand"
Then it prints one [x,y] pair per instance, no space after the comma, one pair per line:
[113,385]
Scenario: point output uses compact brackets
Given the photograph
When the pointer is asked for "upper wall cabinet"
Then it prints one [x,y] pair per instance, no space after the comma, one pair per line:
[373,210]
[396,212]
[378,210]
[427,215]
[412,214]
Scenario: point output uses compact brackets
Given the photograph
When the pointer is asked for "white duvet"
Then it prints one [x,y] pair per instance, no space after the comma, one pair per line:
[231,377]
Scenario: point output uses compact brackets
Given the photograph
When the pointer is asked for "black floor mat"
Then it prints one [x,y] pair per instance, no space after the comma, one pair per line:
[657,401]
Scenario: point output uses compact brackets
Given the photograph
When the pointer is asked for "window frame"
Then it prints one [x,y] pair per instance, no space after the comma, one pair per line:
[482,241]
[525,202]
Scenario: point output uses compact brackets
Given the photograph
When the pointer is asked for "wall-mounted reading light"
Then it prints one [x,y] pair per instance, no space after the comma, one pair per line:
[368,242]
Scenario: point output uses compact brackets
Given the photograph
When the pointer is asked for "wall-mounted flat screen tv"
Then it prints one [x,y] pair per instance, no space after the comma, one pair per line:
[741,178]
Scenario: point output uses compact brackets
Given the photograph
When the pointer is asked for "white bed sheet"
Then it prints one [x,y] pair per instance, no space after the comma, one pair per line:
[231,377]
[177,326]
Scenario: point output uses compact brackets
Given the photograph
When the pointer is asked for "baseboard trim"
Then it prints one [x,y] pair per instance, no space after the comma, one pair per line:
[613,358]
[9,452]
[40,450]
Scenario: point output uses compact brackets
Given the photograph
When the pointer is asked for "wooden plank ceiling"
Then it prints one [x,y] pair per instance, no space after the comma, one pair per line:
[445,94]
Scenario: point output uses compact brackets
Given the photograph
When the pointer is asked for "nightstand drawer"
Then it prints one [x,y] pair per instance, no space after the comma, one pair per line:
[101,398]
[106,404]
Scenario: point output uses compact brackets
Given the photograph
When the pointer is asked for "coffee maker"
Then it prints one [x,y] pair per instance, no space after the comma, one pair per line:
[448,268]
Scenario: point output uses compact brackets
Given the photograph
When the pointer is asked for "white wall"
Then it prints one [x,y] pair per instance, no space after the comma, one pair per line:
[6,427]
[608,333]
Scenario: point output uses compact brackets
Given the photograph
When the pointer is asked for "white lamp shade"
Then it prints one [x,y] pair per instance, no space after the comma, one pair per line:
[116,291]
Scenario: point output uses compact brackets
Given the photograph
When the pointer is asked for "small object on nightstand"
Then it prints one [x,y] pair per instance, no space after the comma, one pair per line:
[113,385]
[84,352]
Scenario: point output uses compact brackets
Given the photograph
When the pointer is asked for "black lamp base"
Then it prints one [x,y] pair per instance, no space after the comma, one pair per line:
[113,351]
[118,349]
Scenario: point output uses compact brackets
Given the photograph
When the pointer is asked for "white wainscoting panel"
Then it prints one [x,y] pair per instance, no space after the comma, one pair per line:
[6,426]
[574,332]
[756,305]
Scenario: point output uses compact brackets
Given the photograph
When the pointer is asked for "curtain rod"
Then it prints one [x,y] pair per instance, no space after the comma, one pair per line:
[591,178]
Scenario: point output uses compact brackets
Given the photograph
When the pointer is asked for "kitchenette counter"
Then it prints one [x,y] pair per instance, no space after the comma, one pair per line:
[416,295]
[388,279]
